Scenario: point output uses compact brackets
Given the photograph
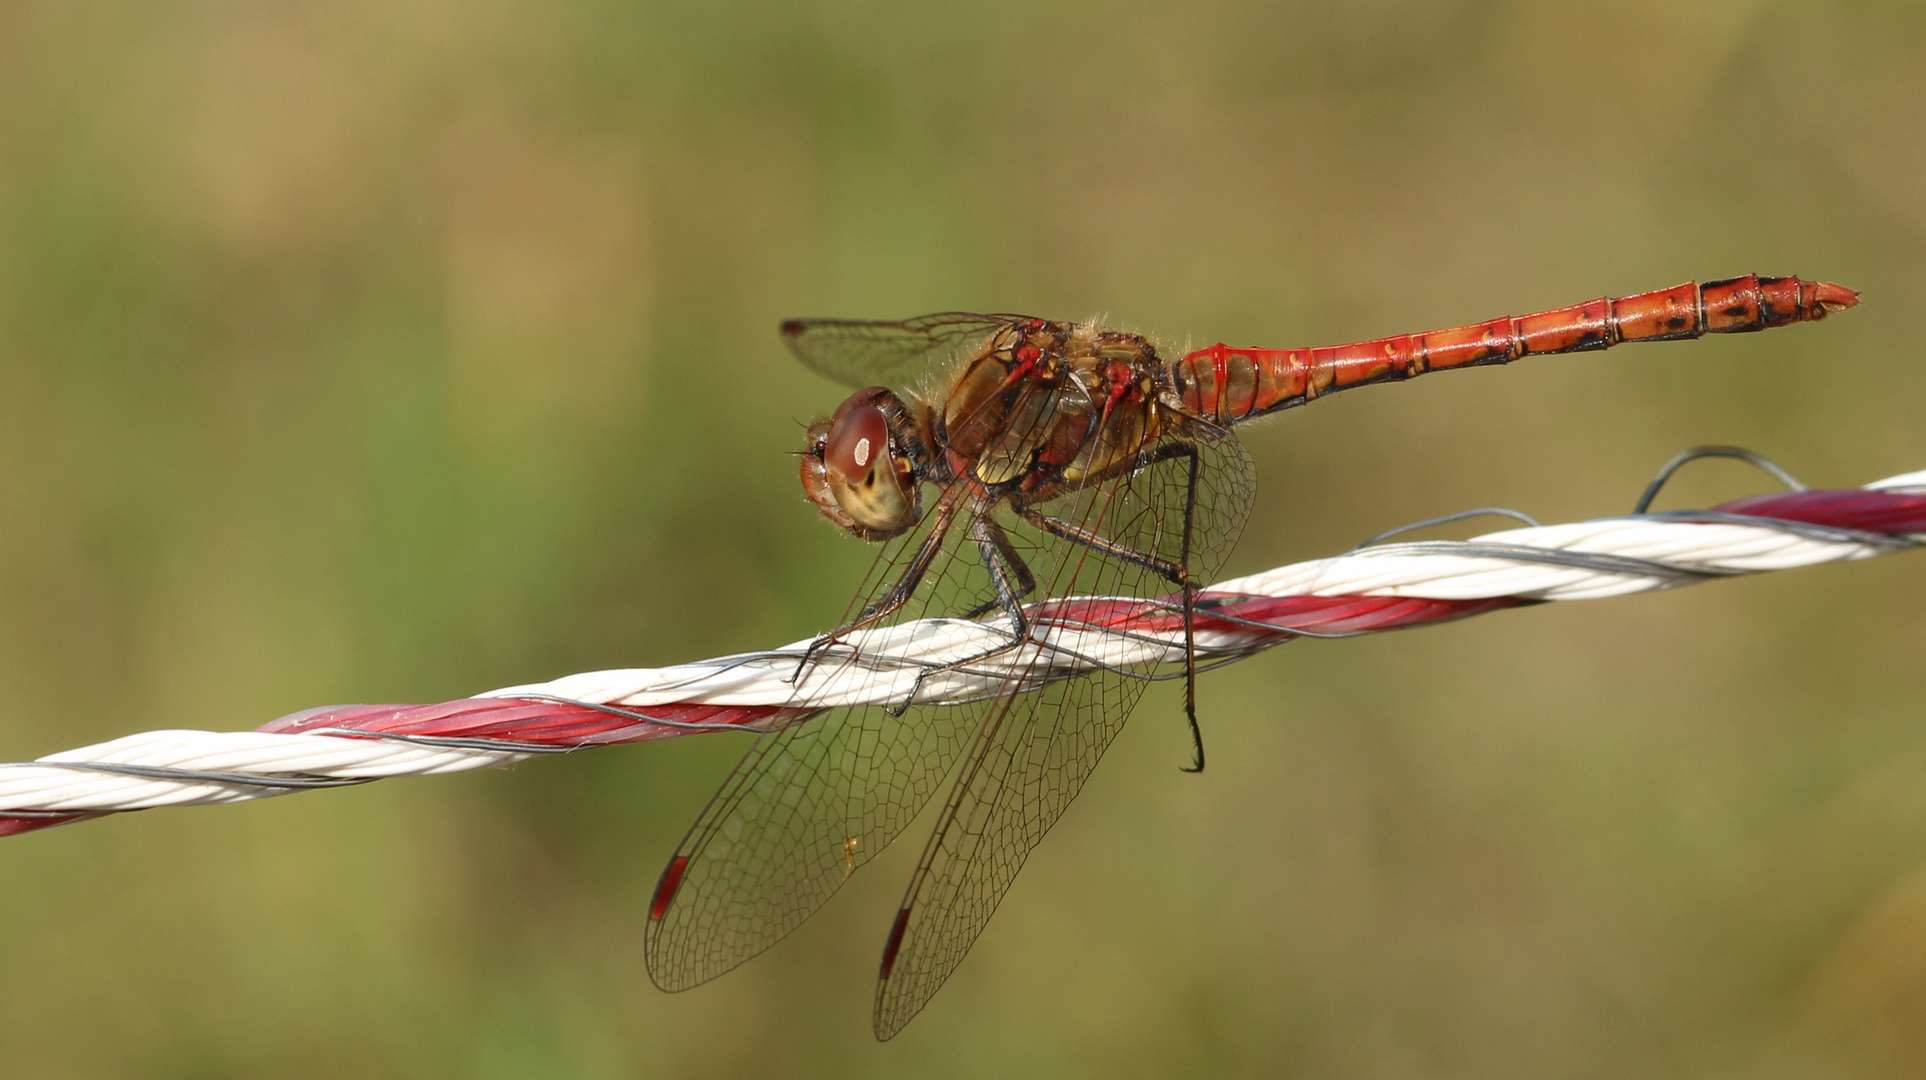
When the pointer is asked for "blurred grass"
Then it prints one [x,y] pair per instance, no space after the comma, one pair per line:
[394,351]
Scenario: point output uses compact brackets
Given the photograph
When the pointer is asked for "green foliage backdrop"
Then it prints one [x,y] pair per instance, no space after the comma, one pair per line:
[396,350]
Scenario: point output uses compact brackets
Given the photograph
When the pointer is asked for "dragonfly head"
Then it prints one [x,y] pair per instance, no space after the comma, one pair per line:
[861,466]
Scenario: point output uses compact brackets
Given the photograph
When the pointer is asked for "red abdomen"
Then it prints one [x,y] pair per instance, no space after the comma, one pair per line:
[1233,385]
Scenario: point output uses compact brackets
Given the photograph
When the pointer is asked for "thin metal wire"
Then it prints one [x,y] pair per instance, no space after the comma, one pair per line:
[1740,453]
[1834,534]
[1448,519]
[451,742]
[293,781]
[681,725]
[1579,560]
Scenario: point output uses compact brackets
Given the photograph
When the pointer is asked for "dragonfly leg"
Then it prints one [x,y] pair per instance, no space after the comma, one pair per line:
[1177,573]
[1026,582]
[1011,578]
[1190,618]
[895,597]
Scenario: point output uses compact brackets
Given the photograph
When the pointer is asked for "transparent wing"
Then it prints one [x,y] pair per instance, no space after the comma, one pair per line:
[803,810]
[858,353]
[1032,754]
[811,803]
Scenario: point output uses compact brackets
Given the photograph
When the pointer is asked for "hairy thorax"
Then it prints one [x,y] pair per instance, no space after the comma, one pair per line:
[1051,404]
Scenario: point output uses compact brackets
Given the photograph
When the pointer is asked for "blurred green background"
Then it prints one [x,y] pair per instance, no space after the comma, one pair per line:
[393,351]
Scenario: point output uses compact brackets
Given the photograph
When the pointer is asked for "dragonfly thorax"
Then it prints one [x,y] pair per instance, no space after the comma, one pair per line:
[1049,404]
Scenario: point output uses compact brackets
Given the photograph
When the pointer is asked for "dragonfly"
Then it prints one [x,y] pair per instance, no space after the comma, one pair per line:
[1000,462]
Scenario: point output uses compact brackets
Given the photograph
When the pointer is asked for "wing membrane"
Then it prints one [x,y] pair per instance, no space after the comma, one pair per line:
[859,353]
[809,805]
[805,808]
[1032,755]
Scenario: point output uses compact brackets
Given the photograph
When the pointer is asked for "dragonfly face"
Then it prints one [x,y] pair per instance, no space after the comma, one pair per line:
[864,466]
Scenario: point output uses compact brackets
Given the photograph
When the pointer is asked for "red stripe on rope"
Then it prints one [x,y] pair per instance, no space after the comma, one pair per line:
[1852,508]
[535,723]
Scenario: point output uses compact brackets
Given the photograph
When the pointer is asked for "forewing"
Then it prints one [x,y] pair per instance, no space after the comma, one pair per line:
[1034,751]
[811,803]
[806,806]
[859,353]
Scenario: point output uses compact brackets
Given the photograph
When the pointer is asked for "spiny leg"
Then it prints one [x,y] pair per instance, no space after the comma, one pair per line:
[1011,579]
[896,596]
[1177,573]
[1163,568]
[1026,582]
[1190,620]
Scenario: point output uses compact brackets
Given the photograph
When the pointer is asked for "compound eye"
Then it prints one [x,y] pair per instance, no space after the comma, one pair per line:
[863,475]
[858,444]
[868,395]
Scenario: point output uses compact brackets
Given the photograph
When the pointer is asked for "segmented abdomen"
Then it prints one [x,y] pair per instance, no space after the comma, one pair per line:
[1233,385]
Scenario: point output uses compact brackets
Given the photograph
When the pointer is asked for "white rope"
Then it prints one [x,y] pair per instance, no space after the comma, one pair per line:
[1914,482]
[36,786]
[1690,551]
[1578,561]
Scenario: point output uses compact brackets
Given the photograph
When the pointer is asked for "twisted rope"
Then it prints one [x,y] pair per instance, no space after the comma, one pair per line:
[1377,587]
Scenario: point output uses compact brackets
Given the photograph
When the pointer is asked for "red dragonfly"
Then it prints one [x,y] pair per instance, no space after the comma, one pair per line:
[1031,459]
